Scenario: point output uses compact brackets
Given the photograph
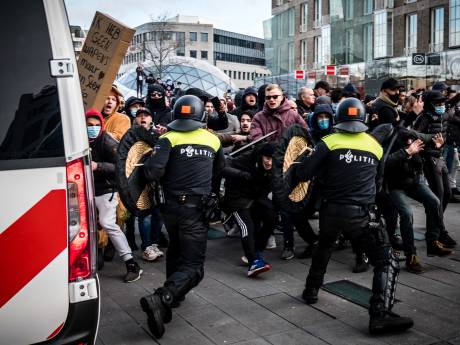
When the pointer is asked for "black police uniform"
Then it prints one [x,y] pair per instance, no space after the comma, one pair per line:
[184,160]
[348,161]
[188,160]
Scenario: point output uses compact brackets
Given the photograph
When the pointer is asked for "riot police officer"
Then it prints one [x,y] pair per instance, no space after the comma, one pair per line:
[184,160]
[349,162]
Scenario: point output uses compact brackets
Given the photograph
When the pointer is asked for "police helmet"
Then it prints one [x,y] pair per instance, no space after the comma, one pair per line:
[188,114]
[350,116]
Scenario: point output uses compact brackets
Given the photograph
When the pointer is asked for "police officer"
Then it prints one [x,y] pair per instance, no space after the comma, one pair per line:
[184,160]
[349,159]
